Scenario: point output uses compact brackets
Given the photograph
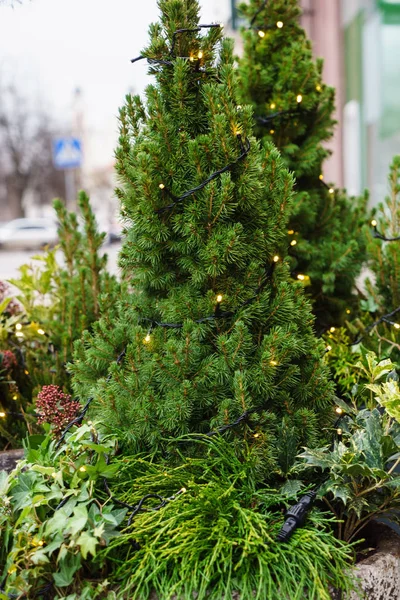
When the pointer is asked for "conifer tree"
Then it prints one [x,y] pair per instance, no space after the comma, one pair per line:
[212,329]
[293,108]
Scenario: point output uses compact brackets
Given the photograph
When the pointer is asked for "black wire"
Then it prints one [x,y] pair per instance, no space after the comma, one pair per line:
[218,313]
[263,5]
[176,200]
[379,236]
[267,119]
[384,318]
[188,30]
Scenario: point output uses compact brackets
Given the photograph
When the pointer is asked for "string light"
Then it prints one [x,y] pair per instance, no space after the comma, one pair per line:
[40,331]
[279,24]
[291,231]
[331,191]
[82,469]
[244,151]
[15,397]
[2,415]
[18,327]
[348,311]
[339,410]
[301,277]
[396,325]
[328,348]
[272,131]
[273,363]
[276,258]
[299,98]
[385,318]
[321,177]
[147,339]
[378,235]
[339,431]
[200,55]
[161,186]
[26,372]
[318,88]
[293,242]
[272,105]
[219,298]
[332,329]
[256,435]
[374,223]
[261,33]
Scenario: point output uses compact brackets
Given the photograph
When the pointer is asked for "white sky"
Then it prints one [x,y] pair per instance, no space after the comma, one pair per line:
[51,47]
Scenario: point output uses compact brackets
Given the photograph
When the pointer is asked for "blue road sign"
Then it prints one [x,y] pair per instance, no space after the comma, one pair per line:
[67,153]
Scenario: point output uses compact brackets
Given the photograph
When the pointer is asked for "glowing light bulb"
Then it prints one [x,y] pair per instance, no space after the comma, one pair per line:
[219,298]
[279,24]
[273,363]
[161,186]
[374,223]
[221,25]
[15,397]
[18,327]
[339,431]
[183,490]
[338,410]
[331,191]
[2,415]
[318,88]
[147,339]
[396,325]
[256,435]
[54,474]
[272,105]
[276,258]
[40,331]
[348,311]
[301,277]
[321,177]
[191,58]
[293,243]
[291,231]
[82,469]
[41,543]
[328,348]
[272,131]
[26,372]
[200,54]
[239,107]
[332,329]
[261,34]
[299,98]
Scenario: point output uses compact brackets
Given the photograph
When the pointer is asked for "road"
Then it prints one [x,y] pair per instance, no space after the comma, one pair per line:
[11,260]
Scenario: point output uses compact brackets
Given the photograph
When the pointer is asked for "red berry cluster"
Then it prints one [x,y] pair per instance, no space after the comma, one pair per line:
[56,407]
[7,360]
[13,307]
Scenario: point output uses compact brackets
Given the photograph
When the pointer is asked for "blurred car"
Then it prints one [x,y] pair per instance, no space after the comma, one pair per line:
[28,233]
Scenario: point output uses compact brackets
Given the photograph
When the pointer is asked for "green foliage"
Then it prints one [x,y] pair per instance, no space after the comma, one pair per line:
[202,373]
[325,225]
[58,298]
[219,536]
[52,523]
[363,480]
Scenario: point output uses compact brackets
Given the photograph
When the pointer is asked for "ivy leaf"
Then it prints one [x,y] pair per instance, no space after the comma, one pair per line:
[79,520]
[3,482]
[39,557]
[68,567]
[292,488]
[87,543]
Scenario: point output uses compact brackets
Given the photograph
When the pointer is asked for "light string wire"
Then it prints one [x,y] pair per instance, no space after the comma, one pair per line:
[218,314]
[263,5]
[170,63]
[244,147]
[380,236]
[383,319]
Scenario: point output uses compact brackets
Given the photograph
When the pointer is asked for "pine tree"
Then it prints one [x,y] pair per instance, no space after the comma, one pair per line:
[211,327]
[294,108]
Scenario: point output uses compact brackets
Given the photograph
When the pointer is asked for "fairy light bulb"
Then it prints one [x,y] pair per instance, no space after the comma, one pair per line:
[293,242]
[219,298]
[261,34]
[15,397]
[54,474]
[256,435]
[276,258]
[299,98]
[183,490]
[339,431]
[338,410]
[291,231]
[332,329]
[191,58]
[200,54]
[396,325]
[374,223]
[272,105]
[2,415]
[328,348]
[321,177]
[273,363]
[18,327]
[279,24]
[348,311]
[331,191]
[147,339]
[82,469]
[161,186]
[318,87]
[40,331]
[26,372]
[301,277]
[272,131]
